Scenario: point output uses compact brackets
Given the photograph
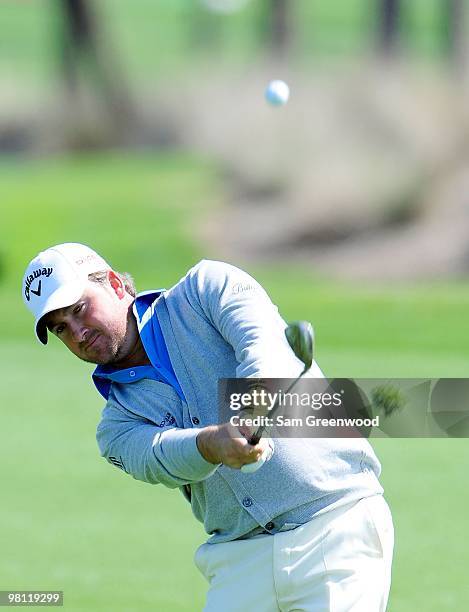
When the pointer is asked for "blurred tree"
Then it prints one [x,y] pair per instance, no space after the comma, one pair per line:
[388,23]
[280,27]
[206,27]
[454,15]
[83,49]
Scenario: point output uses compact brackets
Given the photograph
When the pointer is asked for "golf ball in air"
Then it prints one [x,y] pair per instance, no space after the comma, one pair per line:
[277,93]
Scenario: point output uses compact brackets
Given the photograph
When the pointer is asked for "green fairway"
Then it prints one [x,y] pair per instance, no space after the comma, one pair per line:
[69,520]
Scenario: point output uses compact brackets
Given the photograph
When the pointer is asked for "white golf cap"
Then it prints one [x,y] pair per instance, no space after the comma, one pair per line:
[57,278]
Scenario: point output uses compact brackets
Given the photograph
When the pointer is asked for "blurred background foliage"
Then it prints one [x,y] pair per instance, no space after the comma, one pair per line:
[157,36]
[362,176]
[140,129]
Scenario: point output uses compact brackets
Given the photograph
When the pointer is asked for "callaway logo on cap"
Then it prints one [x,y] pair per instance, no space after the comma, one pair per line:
[57,278]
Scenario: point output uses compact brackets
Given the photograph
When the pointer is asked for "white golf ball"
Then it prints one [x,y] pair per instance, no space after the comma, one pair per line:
[277,93]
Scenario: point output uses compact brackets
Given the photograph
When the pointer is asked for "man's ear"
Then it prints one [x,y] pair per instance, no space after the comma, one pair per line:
[116,284]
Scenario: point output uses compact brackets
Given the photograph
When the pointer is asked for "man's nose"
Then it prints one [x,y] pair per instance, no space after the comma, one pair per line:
[78,331]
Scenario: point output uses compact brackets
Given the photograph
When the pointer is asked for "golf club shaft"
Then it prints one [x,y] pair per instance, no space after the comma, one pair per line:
[257,435]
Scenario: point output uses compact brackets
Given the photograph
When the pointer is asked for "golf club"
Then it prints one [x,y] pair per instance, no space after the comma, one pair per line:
[300,337]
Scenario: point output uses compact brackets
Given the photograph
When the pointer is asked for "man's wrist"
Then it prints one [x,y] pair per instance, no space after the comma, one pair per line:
[205,446]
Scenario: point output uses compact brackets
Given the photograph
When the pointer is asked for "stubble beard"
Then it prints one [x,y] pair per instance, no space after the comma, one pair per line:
[118,346]
[109,355]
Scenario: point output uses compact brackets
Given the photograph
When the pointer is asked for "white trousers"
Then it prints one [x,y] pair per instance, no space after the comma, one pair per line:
[338,562]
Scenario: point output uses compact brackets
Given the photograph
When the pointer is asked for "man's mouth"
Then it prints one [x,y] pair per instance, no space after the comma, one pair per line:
[93,340]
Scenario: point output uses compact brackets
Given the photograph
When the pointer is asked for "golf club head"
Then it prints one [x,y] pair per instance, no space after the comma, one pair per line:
[300,336]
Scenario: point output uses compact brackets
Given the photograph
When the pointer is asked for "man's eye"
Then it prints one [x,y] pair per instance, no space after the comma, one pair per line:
[77,308]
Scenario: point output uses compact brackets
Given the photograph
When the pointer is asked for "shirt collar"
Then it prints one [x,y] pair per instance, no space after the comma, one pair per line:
[143,306]
[104,375]
[125,375]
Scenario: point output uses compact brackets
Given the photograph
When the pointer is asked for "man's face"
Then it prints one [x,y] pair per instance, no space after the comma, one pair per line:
[98,327]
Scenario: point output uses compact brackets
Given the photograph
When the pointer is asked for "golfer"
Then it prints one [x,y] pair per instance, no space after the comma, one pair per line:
[308,531]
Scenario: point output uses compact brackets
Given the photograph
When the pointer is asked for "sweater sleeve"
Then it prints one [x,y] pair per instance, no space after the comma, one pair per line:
[240,309]
[152,449]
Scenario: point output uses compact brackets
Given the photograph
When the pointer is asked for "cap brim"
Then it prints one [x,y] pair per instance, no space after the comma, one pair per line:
[63,297]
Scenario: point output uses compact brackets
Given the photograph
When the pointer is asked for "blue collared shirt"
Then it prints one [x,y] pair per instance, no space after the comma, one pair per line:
[160,369]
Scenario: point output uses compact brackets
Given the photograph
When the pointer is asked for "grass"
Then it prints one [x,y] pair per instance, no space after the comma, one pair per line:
[365,331]
[68,521]
[71,522]
[137,210]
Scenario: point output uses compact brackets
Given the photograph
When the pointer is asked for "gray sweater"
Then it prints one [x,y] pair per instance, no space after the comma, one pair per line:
[218,322]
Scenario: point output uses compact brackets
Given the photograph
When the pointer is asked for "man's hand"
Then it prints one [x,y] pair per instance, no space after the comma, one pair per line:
[228,445]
